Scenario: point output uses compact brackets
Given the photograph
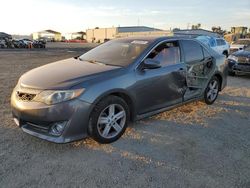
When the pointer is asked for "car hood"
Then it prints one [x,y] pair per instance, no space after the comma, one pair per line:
[242,53]
[238,46]
[62,74]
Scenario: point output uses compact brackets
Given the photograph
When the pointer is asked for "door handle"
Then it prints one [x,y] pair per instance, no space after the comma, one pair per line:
[181,70]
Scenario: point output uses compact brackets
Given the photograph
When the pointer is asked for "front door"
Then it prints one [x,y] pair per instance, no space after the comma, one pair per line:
[165,86]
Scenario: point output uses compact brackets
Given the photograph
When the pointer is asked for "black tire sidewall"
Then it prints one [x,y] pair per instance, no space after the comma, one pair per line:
[231,73]
[104,103]
[207,101]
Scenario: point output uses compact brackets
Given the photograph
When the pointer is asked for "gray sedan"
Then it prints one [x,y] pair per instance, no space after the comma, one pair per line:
[123,80]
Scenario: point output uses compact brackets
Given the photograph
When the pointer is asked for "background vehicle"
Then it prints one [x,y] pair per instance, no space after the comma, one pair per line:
[239,62]
[240,44]
[97,93]
[3,43]
[39,44]
[218,44]
[28,42]
[19,44]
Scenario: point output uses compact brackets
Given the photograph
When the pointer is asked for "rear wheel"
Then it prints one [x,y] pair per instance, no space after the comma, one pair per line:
[212,91]
[225,53]
[109,120]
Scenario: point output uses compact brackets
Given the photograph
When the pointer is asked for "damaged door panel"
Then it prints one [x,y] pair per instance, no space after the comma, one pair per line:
[199,65]
[165,85]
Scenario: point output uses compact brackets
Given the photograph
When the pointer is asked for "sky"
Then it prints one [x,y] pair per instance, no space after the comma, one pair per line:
[27,16]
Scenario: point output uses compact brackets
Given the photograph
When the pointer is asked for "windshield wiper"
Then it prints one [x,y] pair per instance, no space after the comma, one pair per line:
[98,62]
[92,61]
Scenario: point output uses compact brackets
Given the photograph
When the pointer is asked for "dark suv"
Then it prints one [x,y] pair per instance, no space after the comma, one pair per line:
[96,94]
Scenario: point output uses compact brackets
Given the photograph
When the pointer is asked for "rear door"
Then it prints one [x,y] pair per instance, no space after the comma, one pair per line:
[221,46]
[199,65]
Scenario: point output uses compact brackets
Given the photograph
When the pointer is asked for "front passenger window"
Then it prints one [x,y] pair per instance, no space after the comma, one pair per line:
[167,53]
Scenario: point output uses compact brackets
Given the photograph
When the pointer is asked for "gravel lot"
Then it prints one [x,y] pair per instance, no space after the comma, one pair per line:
[191,146]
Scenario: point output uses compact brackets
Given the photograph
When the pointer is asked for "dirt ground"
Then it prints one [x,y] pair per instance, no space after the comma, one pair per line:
[191,146]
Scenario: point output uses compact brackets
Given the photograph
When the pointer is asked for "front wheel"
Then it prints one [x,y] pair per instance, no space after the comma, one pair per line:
[231,73]
[212,91]
[109,120]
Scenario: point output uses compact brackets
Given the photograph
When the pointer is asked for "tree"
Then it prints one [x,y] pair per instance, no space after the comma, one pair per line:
[198,26]
[217,29]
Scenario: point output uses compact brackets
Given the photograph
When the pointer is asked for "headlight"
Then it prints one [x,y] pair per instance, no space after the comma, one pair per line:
[232,57]
[54,97]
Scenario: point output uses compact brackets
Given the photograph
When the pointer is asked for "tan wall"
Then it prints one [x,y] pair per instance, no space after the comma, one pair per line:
[58,37]
[96,35]
[147,33]
[35,36]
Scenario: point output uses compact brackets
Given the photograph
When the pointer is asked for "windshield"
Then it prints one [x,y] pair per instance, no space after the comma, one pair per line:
[117,52]
[242,42]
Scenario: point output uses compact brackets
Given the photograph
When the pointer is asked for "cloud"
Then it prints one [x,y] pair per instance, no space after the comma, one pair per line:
[66,16]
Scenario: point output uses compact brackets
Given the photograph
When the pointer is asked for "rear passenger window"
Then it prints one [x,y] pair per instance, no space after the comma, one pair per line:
[220,42]
[192,51]
[167,53]
[223,42]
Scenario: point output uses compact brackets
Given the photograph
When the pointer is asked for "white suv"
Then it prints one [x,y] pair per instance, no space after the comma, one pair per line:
[218,44]
[240,44]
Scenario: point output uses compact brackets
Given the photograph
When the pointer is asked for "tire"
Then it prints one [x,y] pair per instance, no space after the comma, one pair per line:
[231,73]
[225,53]
[108,120]
[212,90]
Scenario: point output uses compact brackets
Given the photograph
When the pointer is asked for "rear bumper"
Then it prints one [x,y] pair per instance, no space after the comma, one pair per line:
[37,119]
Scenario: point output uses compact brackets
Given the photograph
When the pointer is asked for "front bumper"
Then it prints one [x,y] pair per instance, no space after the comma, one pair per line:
[36,119]
[238,67]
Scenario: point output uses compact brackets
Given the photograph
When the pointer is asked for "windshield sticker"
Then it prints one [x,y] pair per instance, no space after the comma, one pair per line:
[139,42]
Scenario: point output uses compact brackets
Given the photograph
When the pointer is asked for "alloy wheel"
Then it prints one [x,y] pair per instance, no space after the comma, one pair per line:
[111,121]
[213,89]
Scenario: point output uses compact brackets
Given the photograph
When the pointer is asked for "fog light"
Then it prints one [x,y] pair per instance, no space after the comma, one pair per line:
[57,128]
[17,121]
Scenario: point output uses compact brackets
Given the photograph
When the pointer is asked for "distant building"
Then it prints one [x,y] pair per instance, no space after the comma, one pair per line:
[239,30]
[196,32]
[236,33]
[75,36]
[48,35]
[102,34]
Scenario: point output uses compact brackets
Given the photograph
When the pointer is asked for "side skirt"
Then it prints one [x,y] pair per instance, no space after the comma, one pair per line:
[148,114]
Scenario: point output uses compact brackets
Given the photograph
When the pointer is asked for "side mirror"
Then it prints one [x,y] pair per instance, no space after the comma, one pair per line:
[151,64]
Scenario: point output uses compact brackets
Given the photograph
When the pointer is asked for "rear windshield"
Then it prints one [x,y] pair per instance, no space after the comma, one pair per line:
[209,41]
[117,52]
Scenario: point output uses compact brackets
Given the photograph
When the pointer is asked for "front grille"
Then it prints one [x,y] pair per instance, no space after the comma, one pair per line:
[244,60]
[37,128]
[25,96]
